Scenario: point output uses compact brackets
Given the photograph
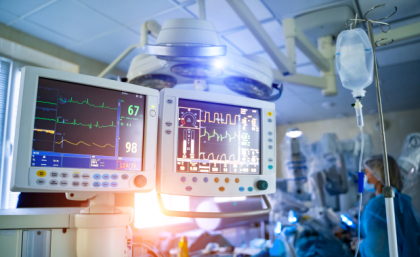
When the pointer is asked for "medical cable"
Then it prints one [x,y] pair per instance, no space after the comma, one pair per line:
[148,248]
[359,116]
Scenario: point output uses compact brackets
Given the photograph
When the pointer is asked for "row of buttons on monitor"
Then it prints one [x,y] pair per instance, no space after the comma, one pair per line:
[77,175]
[194,179]
[221,189]
[270,147]
[64,183]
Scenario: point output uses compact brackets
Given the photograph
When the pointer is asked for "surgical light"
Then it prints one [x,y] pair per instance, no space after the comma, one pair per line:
[292,218]
[156,81]
[197,71]
[346,220]
[277,229]
[294,133]
[186,38]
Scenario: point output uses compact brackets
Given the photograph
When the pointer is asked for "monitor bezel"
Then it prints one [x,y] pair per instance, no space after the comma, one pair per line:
[167,146]
[22,144]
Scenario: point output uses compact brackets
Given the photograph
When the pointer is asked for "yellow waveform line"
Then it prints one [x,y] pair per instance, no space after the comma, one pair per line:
[45,131]
[229,157]
[103,145]
[220,117]
[208,157]
[81,142]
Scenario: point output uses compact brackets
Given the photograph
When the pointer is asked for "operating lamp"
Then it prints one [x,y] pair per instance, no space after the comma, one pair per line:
[188,51]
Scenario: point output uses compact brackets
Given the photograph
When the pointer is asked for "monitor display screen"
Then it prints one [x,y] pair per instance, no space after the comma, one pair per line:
[79,126]
[218,138]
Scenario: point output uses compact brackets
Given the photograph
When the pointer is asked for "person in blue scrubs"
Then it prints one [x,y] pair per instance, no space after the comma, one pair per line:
[373,223]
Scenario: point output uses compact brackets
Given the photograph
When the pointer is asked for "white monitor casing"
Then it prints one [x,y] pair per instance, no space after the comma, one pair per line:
[24,175]
[204,184]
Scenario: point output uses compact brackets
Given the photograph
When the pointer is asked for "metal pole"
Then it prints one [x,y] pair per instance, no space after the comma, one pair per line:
[378,95]
[388,190]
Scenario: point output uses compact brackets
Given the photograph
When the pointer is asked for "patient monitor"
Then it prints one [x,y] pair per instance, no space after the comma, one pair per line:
[215,145]
[77,133]
[88,137]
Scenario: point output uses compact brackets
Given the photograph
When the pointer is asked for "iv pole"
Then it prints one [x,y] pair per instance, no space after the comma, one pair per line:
[388,190]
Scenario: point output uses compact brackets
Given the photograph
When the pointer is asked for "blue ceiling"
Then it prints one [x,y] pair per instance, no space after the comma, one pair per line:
[102,29]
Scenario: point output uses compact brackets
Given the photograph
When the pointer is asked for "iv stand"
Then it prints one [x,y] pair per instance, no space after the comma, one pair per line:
[388,190]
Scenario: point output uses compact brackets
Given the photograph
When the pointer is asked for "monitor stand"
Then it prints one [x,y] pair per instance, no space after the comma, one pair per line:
[102,228]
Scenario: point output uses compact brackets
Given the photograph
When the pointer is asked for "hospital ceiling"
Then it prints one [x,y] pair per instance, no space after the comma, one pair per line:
[102,29]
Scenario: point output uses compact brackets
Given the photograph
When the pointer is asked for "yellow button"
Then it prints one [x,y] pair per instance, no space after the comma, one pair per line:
[41,173]
[237,180]
[227,180]
[221,189]
[269,113]
[216,180]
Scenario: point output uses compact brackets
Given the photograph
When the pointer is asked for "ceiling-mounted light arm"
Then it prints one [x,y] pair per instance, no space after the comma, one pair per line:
[300,79]
[294,35]
[327,82]
[201,9]
[149,27]
[283,63]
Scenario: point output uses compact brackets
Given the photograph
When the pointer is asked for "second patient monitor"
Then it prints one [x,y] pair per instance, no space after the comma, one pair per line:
[215,145]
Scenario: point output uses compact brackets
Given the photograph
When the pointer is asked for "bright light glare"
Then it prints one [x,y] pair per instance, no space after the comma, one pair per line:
[346,220]
[292,217]
[218,64]
[147,213]
[277,229]
[294,133]
[229,199]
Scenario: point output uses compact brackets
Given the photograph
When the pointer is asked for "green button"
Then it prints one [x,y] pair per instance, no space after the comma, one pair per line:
[270,167]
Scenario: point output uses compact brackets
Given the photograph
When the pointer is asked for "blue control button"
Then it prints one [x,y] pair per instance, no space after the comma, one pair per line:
[183,179]
[241,189]
[206,180]
[194,179]
[105,184]
[114,184]
[114,176]
[250,189]
[188,188]
[105,176]
[97,176]
[96,184]
[270,167]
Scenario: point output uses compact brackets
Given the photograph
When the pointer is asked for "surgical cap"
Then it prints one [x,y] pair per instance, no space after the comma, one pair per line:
[375,165]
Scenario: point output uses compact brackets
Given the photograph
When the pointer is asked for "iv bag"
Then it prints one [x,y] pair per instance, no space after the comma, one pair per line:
[354,60]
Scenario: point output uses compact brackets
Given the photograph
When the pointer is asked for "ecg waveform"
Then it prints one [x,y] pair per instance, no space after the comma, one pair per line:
[63,100]
[81,142]
[89,125]
[44,102]
[219,118]
[219,137]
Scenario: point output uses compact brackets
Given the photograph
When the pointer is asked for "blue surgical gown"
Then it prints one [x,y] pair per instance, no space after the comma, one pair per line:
[374,228]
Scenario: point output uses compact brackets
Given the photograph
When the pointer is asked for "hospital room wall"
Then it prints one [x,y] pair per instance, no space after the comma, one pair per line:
[401,123]
[87,66]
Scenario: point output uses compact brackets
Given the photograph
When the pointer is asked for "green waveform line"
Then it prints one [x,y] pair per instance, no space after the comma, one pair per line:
[46,102]
[78,124]
[86,102]
[218,136]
